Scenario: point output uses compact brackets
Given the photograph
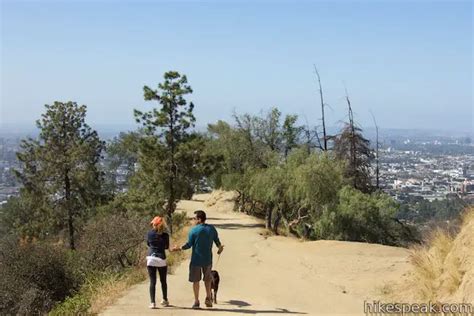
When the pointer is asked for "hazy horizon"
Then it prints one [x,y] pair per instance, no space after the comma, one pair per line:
[108,131]
[410,63]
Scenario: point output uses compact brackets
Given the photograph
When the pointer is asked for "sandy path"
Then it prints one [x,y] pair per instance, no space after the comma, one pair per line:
[277,275]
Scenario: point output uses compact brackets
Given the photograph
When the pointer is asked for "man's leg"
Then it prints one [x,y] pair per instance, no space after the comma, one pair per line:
[196,292]
[194,278]
[206,271]
[207,283]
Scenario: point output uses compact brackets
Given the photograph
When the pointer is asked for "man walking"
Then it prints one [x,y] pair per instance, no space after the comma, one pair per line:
[200,238]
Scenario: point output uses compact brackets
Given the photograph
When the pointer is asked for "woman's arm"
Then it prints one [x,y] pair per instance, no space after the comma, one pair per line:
[167,241]
[188,244]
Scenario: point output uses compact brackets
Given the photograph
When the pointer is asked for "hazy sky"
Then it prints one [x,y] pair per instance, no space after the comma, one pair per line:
[410,62]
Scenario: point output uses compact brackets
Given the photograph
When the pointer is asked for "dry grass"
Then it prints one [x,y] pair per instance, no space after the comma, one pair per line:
[439,268]
[429,264]
[468,216]
[114,286]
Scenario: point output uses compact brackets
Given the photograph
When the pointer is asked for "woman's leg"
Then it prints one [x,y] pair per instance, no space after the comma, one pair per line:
[152,275]
[164,287]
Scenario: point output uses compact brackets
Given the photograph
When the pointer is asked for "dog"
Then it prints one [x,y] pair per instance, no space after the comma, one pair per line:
[215,279]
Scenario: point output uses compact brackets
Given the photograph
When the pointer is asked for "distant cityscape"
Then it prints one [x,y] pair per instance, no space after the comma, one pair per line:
[405,173]
[419,166]
[8,162]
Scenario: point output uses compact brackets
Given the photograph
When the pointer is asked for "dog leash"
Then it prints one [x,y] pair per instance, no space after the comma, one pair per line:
[218,258]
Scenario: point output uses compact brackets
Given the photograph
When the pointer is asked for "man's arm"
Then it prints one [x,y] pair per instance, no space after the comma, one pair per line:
[188,244]
[216,237]
[217,241]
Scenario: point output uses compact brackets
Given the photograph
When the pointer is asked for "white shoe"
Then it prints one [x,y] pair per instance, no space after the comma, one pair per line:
[152,306]
[165,303]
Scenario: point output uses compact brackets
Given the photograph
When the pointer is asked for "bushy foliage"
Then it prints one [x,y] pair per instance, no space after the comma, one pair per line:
[113,242]
[361,217]
[423,211]
[34,277]
[180,219]
[314,194]
[316,180]
[16,216]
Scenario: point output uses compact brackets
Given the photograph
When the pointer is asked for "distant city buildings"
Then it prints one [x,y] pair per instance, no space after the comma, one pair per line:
[410,169]
[429,174]
[8,184]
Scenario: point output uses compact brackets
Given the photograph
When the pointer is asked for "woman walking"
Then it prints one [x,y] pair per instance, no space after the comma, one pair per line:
[157,241]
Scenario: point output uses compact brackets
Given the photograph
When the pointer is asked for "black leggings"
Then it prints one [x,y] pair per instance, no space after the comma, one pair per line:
[164,287]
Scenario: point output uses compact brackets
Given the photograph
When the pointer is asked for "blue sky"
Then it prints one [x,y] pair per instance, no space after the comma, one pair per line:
[409,62]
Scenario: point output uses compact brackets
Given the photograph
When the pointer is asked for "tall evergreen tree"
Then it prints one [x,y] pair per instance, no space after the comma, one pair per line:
[60,168]
[170,125]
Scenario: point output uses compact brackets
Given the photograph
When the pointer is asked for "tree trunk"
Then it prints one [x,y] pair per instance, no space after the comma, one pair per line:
[237,202]
[377,169]
[307,230]
[121,261]
[325,138]
[172,176]
[252,208]
[276,224]
[242,203]
[353,149]
[126,259]
[268,218]
[170,208]
[70,217]
[171,197]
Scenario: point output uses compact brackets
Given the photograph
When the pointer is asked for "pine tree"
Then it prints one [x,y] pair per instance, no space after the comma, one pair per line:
[170,127]
[60,168]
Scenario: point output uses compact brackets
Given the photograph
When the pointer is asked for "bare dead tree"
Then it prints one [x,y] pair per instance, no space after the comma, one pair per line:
[353,157]
[325,139]
[377,166]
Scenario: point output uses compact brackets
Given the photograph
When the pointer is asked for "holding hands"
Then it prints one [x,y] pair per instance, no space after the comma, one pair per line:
[176,248]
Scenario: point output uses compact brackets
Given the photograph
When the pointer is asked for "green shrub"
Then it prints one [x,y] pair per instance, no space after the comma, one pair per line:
[180,219]
[113,242]
[34,277]
[361,217]
[73,305]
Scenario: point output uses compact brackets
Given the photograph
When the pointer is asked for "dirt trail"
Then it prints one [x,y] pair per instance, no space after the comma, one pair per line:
[276,275]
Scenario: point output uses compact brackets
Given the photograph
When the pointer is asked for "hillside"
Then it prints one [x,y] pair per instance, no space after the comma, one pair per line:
[443,271]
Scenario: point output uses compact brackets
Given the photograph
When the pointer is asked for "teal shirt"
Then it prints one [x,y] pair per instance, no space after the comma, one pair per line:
[200,238]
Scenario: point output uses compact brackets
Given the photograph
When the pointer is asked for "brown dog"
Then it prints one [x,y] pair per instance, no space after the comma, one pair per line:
[214,285]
